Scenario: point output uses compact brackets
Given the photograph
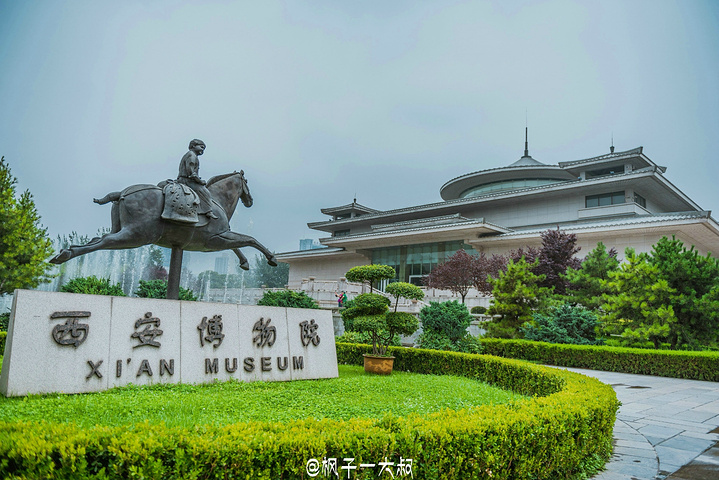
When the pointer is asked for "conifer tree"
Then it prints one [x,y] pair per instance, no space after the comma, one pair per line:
[24,243]
[587,285]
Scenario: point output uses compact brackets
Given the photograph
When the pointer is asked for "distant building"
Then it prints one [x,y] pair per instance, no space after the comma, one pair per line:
[222,264]
[310,244]
[621,199]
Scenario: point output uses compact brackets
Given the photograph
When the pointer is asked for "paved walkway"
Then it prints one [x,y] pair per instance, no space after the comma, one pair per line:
[666,428]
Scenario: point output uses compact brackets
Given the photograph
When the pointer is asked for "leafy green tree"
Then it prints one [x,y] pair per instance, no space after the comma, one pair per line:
[271,277]
[587,285]
[93,286]
[287,298]
[564,324]
[638,306]
[370,274]
[158,289]
[516,295]
[24,244]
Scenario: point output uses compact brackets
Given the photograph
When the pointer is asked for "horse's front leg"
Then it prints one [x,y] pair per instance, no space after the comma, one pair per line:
[244,264]
[231,241]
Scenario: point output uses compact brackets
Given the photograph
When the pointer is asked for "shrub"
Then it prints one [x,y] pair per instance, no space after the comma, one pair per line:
[287,298]
[93,286]
[158,289]
[450,319]
[438,341]
[564,324]
[4,321]
[3,337]
[478,310]
[664,363]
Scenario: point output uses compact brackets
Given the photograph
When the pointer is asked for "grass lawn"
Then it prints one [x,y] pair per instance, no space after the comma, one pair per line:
[353,394]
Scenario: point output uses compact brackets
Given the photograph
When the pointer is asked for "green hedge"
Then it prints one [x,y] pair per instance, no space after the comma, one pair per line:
[3,337]
[663,363]
[553,436]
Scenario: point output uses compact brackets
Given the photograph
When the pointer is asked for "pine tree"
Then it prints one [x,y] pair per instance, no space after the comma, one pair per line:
[24,243]
[587,285]
[516,294]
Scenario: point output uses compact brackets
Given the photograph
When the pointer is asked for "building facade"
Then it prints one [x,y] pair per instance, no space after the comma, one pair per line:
[621,199]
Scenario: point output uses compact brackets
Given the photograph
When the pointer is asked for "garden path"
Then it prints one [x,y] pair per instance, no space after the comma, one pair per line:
[666,428]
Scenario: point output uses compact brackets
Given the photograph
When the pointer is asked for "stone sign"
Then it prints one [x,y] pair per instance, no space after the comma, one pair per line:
[72,343]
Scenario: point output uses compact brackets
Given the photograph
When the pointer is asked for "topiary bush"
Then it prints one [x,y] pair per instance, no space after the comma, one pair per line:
[370,274]
[158,289]
[364,338]
[369,314]
[478,310]
[287,298]
[572,324]
[93,286]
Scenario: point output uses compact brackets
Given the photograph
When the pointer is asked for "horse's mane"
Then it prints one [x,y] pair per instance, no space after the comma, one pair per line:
[217,178]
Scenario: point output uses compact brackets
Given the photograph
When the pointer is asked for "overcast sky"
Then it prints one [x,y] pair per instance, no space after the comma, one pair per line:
[324,100]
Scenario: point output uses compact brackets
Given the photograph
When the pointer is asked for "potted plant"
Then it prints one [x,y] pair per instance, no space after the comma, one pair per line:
[370,313]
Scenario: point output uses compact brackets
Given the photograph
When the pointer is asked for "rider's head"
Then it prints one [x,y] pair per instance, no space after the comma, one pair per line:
[197,143]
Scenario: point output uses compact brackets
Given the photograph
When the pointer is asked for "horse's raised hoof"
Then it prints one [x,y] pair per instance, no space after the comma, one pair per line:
[245,265]
[61,257]
[272,261]
[97,200]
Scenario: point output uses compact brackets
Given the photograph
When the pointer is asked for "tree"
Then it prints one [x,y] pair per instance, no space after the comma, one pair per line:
[24,244]
[404,290]
[369,313]
[269,276]
[287,298]
[92,286]
[587,285]
[695,280]
[564,324]
[456,274]
[556,255]
[370,274]
[155,270]
[158,289]
[516,294]
[484,268]
[638,306]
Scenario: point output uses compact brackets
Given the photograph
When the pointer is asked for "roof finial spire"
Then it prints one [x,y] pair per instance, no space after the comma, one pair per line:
[611,149]
[526,142]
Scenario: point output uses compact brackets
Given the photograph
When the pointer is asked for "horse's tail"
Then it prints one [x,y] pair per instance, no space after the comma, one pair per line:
[110,197]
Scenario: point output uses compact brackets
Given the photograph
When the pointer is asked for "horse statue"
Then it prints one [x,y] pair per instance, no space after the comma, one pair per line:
[137,221]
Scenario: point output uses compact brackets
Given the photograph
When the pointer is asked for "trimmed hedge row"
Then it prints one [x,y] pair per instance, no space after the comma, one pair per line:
[545,437]
[663,363]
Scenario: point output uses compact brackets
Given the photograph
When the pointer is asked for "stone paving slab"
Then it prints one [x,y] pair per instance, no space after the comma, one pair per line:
[666,428]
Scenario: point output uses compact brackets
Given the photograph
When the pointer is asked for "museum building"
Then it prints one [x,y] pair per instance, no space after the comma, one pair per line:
[621,199]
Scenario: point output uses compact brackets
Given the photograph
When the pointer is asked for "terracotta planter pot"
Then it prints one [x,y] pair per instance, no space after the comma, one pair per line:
[378,365]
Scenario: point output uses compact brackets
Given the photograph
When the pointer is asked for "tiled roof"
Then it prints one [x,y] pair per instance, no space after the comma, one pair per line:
[614,222]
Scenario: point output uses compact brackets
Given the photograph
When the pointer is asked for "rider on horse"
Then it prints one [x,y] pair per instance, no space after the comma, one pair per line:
[190,175]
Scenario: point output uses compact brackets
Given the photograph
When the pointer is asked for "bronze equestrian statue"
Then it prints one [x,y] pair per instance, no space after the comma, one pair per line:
[167,215]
